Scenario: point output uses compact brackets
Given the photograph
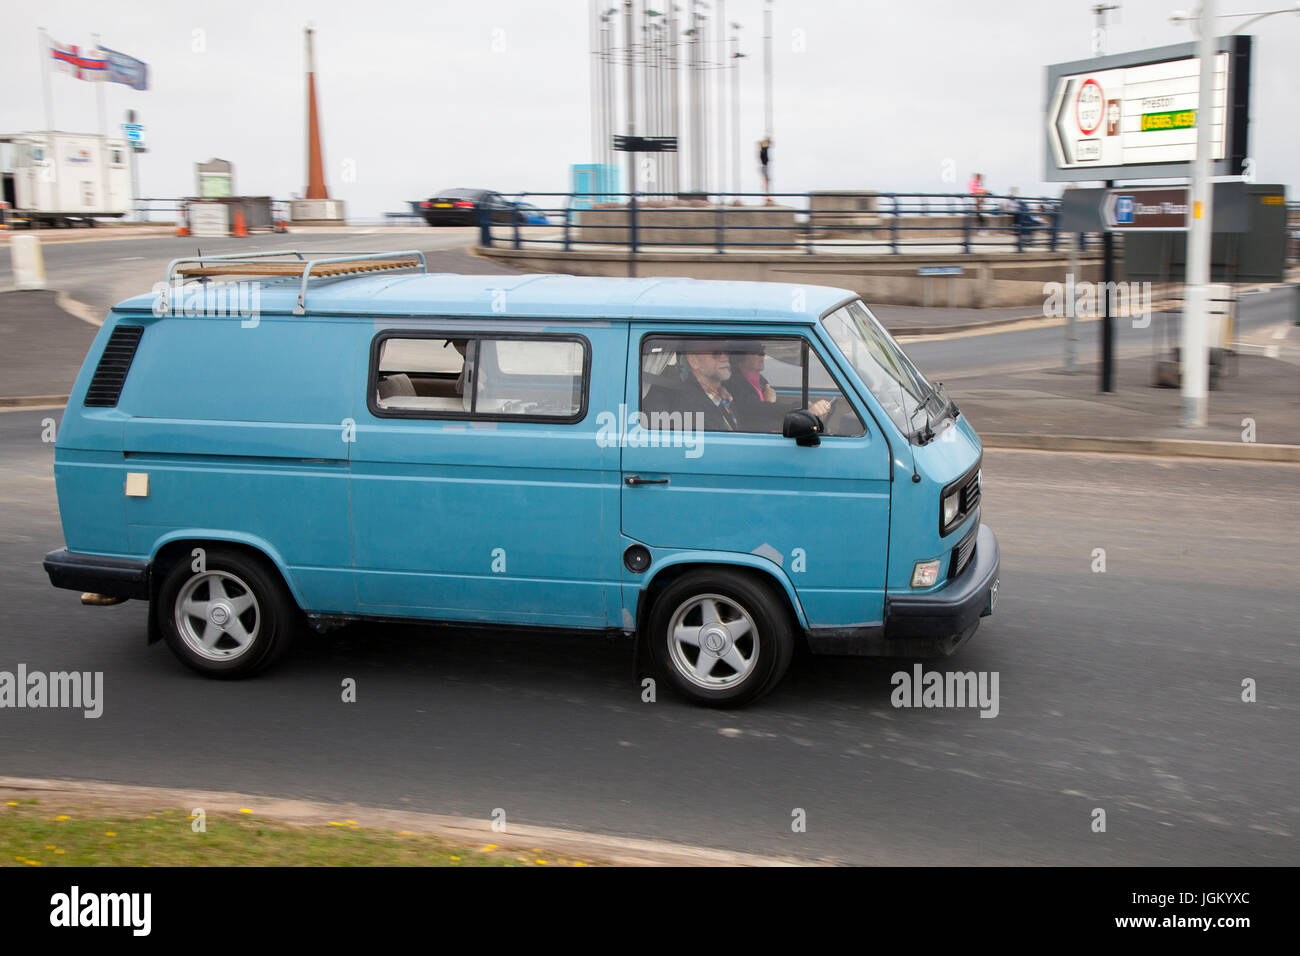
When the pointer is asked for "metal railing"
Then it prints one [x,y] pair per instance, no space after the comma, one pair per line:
[809,223]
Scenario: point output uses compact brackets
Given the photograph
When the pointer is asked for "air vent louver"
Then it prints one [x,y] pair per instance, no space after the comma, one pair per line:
[110,374]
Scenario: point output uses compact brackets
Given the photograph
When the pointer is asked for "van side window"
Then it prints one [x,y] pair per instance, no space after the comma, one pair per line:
[478,376]
[739,384]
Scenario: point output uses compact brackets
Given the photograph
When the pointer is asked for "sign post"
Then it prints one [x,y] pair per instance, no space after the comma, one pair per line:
[1173,112]
[134,133]
[1196,312]
[633,144]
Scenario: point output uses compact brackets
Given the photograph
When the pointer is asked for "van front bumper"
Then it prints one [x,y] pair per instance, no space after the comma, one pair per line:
[114,577]
[934,624]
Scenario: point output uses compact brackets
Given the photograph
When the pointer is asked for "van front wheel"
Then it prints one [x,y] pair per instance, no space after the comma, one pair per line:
[720,638]
[229,619]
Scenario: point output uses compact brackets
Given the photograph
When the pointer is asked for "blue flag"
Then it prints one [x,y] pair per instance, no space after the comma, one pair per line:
[125,69]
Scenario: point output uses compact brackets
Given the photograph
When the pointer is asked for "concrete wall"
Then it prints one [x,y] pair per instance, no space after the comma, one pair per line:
[832,225]
[988,281]
[610,224]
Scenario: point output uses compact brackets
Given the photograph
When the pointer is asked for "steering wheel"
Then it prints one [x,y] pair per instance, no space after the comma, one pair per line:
[835,414]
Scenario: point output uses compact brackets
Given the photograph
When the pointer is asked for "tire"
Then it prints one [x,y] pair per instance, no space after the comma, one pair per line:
[748,653]
[230,620]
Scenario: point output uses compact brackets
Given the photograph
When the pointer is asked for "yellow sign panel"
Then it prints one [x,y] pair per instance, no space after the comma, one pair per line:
[1170,119]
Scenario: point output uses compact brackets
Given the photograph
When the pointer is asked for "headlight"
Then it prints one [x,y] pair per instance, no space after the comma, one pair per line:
[951,505]
[925,573]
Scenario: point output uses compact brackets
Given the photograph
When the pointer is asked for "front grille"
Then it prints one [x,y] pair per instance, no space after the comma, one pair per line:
[110,375]
[964,550]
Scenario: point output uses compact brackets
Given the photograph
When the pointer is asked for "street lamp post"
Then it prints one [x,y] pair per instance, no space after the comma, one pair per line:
[736,57]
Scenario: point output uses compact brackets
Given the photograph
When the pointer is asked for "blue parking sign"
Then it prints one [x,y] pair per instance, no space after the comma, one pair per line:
[1124,209]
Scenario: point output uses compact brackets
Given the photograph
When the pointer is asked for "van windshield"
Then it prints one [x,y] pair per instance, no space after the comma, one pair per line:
[895,382]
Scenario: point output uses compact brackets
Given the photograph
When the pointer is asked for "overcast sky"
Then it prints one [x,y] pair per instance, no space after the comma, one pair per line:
[420,96]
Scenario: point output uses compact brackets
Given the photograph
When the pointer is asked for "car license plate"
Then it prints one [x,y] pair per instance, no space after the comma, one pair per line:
[443,205]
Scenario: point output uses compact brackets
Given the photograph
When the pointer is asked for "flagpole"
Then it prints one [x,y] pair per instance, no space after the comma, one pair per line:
[103,130]
[43,41]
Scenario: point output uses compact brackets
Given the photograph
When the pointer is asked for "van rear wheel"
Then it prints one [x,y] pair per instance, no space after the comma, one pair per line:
[230,619]
[720,638]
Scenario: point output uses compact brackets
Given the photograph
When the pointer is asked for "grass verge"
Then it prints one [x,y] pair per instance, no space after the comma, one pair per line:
[33,834]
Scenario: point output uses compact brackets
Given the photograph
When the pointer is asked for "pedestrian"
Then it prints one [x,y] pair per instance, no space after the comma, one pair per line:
[978,191]
[764,158]
[1021,221]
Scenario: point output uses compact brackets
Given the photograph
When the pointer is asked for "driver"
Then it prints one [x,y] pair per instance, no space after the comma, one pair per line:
[757,406]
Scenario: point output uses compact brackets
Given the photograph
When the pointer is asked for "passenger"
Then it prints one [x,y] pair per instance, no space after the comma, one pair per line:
[702,390]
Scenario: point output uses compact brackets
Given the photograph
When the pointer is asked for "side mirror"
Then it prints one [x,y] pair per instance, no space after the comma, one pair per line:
[804,427]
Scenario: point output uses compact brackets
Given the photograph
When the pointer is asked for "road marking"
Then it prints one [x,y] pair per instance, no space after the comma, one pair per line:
[130,259]
[1281,333]
[78,309]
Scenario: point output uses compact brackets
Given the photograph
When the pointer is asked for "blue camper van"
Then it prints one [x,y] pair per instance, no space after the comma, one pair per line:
[272,443]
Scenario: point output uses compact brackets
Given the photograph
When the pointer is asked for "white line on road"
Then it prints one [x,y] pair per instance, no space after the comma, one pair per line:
[79,309]
[130,258]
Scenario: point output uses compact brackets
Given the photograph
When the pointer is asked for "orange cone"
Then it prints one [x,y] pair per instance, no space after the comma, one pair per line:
[241,228]
[182,229]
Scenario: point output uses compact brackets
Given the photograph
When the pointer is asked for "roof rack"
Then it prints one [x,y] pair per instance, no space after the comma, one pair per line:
[293,262]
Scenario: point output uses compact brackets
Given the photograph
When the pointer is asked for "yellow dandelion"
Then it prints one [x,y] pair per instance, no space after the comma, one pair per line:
[456,858]
[12,803]
[49,846]
[33,862]
[579,863]
[490,847]
[540,862]
[245,811]
[110,833]
[58,851]
[335,823]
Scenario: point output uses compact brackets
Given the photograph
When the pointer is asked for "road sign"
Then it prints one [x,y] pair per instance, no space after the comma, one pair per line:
[134,132]
[1155,208]
[1134,114]
[645,144]
[1145,210]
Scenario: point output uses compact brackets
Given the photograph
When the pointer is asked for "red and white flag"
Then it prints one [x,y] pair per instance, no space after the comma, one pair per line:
[87,65]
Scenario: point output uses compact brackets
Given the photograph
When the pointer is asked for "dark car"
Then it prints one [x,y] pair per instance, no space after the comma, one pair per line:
[460,207]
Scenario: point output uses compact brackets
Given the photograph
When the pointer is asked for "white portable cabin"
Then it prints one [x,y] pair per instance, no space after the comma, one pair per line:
[57,174]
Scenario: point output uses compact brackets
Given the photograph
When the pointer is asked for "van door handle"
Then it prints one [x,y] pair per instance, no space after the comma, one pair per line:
[635,480]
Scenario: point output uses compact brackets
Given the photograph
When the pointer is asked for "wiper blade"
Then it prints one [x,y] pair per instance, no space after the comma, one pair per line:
[927,435]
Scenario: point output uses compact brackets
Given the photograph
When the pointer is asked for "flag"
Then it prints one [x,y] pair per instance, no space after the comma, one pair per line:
[125,69]
[84,66]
